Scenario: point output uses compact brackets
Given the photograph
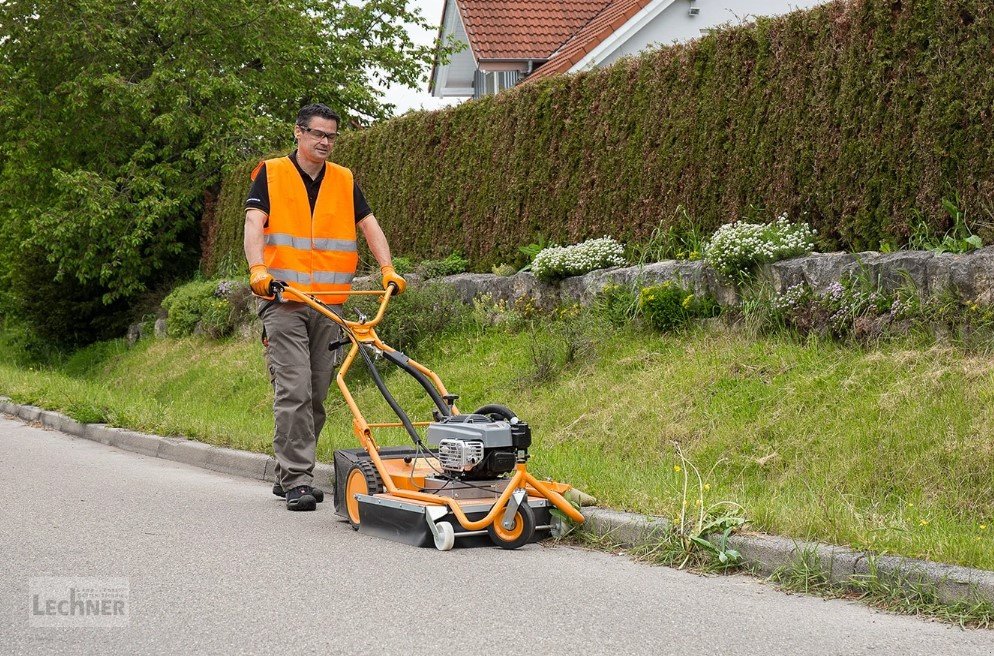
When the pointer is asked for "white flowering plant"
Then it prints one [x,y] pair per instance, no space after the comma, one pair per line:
[557,262]
[736,249]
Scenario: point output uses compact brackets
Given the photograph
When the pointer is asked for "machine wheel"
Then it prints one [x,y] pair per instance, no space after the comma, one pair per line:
[361,479]
[446,536]
[520,535]
[495,411]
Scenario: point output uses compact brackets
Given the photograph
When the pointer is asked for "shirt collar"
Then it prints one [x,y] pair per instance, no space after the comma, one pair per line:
[303,173]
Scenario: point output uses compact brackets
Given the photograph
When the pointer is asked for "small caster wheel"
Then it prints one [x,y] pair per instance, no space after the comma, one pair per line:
[517,536]
[446,537]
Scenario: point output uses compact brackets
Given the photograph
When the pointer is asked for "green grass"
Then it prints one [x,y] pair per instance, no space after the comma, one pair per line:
[889,449]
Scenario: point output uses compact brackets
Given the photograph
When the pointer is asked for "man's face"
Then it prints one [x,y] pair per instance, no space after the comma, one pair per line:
[309,145]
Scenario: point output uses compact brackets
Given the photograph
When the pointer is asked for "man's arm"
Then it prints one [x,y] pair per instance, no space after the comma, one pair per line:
[259,278]
[376,240]
[378,246]
[255,221]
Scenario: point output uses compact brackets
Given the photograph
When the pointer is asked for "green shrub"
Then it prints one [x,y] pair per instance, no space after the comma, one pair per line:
[529,251]
[669,306]
[450,266]
[204,302]
[418,313]
[618,304]
[958,239]
[20,344]
[675,238]
[403,265]
[503,270]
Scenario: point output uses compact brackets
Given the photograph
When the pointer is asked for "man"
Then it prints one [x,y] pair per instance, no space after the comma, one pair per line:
[300,227]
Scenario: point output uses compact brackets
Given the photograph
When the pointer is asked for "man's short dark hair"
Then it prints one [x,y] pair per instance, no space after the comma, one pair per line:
[307,112]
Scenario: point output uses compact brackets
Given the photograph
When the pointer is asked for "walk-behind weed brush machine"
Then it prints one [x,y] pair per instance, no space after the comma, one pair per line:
[470,479]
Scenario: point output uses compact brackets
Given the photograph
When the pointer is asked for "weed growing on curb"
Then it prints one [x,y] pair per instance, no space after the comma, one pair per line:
[905,592]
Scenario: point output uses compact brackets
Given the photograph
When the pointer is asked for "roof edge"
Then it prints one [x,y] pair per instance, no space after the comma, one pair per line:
[621,35]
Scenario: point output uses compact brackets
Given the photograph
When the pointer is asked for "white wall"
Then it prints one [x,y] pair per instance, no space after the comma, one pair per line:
[459,72]
[675,24]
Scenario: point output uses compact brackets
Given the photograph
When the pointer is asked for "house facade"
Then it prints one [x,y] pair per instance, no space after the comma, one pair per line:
[510,41]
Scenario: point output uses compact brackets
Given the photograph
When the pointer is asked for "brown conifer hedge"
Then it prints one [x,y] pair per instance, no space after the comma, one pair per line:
[860,115]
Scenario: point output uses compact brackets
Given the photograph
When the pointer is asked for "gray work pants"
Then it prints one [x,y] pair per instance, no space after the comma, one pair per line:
[300,369]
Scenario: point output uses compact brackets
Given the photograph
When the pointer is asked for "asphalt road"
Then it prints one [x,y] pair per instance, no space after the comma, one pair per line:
[216,565]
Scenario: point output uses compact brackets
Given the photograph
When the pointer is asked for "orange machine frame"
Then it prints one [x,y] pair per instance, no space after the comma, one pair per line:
[363,332]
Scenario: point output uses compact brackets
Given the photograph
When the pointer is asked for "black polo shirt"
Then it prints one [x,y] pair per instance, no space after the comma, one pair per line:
[258,197]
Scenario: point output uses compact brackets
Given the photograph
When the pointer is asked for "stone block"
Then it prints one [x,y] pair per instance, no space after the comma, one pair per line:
[950,583]
[147,445]
[621,528]
[186,451]
[70,426]
[29,412]
[134,333]
[237,463]
[49,419]
[324,476]
[100,433]
[270,473]
[764,554]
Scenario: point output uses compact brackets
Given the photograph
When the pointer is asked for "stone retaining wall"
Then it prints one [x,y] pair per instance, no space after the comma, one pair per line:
[971,276]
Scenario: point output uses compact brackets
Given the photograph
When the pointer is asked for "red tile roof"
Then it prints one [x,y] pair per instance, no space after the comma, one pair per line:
[524,29]
[589,37]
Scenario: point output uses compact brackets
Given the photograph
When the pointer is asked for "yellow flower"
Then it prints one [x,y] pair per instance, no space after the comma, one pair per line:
[983,527]
[698,502]
[707,486]
[676,468]
[923,522]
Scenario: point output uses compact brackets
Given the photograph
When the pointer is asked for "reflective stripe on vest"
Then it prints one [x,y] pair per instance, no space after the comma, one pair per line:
[315,253]
[304,244]
[297,278]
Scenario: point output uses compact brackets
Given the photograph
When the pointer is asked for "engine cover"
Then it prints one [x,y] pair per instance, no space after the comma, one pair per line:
[475,428]
[475,447]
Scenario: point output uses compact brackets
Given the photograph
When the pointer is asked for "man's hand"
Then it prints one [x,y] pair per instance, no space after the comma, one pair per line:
[260,280]
[390,276]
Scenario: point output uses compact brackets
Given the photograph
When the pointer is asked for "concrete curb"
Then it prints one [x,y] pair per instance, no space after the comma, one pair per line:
[764,554]
[177,449]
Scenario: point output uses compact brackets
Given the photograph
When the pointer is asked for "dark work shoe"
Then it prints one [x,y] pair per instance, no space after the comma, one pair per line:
[316,492]
[300,498]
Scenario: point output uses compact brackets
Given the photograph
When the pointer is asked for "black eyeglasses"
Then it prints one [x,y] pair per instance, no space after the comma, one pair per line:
[320,134]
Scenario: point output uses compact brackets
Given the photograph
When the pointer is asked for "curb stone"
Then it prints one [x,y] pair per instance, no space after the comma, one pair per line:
[235,462]
[762,554]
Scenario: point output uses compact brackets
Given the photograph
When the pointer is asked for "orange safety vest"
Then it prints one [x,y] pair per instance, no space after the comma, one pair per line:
[313,253]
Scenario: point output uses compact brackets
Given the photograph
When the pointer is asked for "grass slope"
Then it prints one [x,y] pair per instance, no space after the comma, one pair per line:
[890,449]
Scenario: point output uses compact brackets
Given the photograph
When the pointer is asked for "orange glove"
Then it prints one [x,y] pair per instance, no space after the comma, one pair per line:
[260,280]
[390,276]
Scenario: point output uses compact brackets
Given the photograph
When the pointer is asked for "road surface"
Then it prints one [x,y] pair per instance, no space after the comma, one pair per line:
[215,564]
